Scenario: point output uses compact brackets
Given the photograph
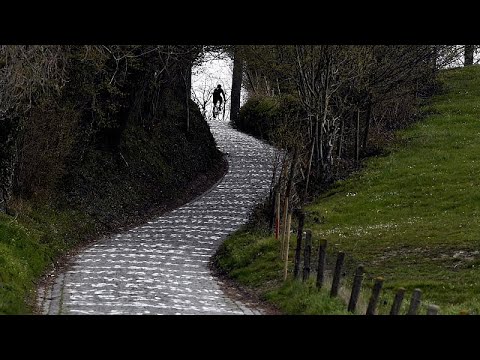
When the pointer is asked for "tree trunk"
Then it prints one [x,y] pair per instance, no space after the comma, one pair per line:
[3,203]
[469,49]
[9,134]
[188,93]
[319,142]
[340,137]
[434,58]
[357,139]
[236,84]
[307,177]
[293,164]
[250,80]
[367,126]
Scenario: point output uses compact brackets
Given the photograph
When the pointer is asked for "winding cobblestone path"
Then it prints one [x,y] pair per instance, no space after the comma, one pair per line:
[162,267]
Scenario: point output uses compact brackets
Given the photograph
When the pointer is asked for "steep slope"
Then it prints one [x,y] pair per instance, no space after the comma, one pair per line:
[413,216]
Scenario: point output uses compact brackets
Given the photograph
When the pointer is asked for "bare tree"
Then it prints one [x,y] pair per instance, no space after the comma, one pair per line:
[346,92]
[319,79]
[468,55]
[27,74]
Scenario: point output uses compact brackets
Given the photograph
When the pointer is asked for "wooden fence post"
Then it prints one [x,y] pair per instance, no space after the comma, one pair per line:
[322,252]
[306,255]
[298,249]
[287,245]
[337,274]
[357,284]
[432,310]
[372,304]
[397,302]
[414,302]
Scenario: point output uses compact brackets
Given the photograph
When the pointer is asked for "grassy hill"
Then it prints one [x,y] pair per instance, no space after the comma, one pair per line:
[411,216]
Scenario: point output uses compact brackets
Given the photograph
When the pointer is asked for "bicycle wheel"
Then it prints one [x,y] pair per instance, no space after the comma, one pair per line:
[219,111]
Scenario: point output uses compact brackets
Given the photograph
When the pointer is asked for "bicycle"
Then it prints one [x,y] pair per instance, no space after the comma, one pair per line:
[217,109]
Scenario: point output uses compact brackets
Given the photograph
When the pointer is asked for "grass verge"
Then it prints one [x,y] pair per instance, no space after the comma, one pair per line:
[251,259]
[29,244]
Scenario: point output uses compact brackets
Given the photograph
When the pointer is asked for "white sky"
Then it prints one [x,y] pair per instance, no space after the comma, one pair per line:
[216,69]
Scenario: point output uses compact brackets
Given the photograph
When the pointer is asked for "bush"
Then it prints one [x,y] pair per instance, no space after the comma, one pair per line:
[262,115]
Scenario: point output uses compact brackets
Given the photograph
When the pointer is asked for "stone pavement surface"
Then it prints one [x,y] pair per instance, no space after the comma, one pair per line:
[161,267]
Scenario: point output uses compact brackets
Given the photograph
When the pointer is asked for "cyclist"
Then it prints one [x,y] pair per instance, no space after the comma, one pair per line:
[217,98]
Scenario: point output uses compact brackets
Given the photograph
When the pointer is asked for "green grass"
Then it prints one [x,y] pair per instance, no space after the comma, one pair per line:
[413,216]
[296,298]
[252,259]
[28,245]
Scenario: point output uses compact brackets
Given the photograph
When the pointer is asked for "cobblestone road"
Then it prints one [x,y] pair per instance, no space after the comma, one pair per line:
[162,267]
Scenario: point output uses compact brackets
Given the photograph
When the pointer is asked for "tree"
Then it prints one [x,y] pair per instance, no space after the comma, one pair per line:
[469,50]
[57,102]
[28,74]
[236,83]
[346,93]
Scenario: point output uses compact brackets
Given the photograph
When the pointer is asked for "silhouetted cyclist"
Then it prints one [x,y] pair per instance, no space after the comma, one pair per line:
[217,97]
